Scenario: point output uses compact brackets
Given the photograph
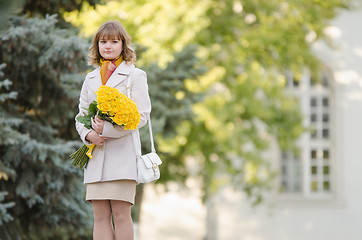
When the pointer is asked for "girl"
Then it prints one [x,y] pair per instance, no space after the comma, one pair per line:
[111,173]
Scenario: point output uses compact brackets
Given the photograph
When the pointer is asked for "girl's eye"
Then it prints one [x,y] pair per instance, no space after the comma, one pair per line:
[102,41]
[115,41]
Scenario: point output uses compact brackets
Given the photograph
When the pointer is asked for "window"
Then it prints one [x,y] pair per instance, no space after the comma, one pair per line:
[291,172]
[310,173]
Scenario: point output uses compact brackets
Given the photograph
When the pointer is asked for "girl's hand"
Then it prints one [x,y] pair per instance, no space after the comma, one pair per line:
[94,138]
[97,124]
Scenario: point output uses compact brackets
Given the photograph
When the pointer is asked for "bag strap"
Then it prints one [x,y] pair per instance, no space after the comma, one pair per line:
[151,134]
[134,136]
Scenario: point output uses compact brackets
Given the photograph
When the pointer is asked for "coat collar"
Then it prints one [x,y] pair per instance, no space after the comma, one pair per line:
[118,76]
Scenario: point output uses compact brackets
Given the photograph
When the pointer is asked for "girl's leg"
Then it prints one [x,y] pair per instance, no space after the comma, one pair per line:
[123,226]
[102,220]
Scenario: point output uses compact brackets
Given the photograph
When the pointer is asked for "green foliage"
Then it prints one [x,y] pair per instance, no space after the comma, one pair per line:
[45,197]
[87,119]
[255,42]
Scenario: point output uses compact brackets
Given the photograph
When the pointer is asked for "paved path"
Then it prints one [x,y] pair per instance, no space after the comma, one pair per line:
[175,215]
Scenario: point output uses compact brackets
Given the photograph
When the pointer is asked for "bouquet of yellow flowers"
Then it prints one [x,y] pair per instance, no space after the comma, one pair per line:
[112,106]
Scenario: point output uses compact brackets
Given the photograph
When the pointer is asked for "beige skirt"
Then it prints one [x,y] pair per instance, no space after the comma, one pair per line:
[124,190]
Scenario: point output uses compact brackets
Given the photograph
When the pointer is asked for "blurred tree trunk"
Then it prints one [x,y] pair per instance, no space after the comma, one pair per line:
[138,203]
[211,220]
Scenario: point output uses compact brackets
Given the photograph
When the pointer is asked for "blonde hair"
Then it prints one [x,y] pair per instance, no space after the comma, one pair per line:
[112,30]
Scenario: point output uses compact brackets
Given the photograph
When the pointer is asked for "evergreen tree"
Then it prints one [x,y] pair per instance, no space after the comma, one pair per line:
[4,206]
[45,194]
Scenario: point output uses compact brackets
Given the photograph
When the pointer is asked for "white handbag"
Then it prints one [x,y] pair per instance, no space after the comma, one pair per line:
[147,165]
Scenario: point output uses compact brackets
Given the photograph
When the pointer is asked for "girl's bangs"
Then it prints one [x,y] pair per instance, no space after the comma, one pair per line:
[109,33]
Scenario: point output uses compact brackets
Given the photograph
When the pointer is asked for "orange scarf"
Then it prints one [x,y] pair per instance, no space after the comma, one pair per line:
[108,67]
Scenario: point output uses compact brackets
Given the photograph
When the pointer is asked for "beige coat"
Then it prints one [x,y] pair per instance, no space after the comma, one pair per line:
[117,159]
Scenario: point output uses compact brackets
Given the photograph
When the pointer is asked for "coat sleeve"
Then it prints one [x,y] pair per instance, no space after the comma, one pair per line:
[83,103]
[139,94]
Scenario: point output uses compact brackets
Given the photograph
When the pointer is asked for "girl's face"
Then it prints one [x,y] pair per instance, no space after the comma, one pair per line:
[110,48]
